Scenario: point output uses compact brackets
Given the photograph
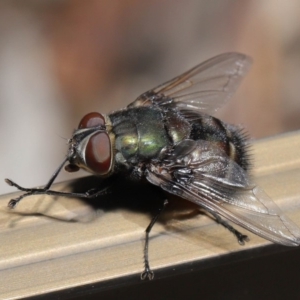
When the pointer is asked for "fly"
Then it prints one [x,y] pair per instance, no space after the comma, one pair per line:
[168,137]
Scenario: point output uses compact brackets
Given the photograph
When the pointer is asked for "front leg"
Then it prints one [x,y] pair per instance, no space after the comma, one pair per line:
[93,193]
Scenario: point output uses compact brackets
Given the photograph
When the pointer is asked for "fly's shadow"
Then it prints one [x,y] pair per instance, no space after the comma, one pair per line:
[123,193]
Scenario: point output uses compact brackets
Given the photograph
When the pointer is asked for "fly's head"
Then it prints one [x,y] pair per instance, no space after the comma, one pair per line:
[91,146]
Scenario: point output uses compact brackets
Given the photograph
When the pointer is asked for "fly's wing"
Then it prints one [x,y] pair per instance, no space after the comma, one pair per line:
[203,174]
[204,88]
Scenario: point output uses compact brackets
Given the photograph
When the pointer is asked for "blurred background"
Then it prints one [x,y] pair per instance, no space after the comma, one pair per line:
[60,59]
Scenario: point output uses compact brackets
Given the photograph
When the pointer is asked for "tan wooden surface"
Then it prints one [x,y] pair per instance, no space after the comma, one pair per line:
[39,254]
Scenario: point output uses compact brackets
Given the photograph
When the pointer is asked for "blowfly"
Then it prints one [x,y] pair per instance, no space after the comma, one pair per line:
[168,137]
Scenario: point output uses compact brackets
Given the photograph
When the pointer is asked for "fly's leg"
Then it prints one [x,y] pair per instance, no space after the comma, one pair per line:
[242,238]
[44,191]
[147,273]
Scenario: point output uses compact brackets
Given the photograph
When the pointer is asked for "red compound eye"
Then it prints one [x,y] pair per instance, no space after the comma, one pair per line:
[91,120]
[98,153]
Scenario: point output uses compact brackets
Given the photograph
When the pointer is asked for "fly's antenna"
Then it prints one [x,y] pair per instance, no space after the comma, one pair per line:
[62,137]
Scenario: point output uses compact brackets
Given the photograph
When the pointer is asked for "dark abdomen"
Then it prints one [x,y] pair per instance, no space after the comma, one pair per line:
[228,137]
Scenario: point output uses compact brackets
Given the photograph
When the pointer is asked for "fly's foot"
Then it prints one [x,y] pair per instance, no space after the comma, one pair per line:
[147,274]
[28,191]
[12,203]
[9,182]
[12,183]
[242,238]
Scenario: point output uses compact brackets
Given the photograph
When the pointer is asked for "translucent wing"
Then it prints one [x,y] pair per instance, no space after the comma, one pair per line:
[201,173]
[204,88]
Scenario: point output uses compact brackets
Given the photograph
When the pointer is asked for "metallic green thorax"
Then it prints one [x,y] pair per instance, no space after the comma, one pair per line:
[140,134]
